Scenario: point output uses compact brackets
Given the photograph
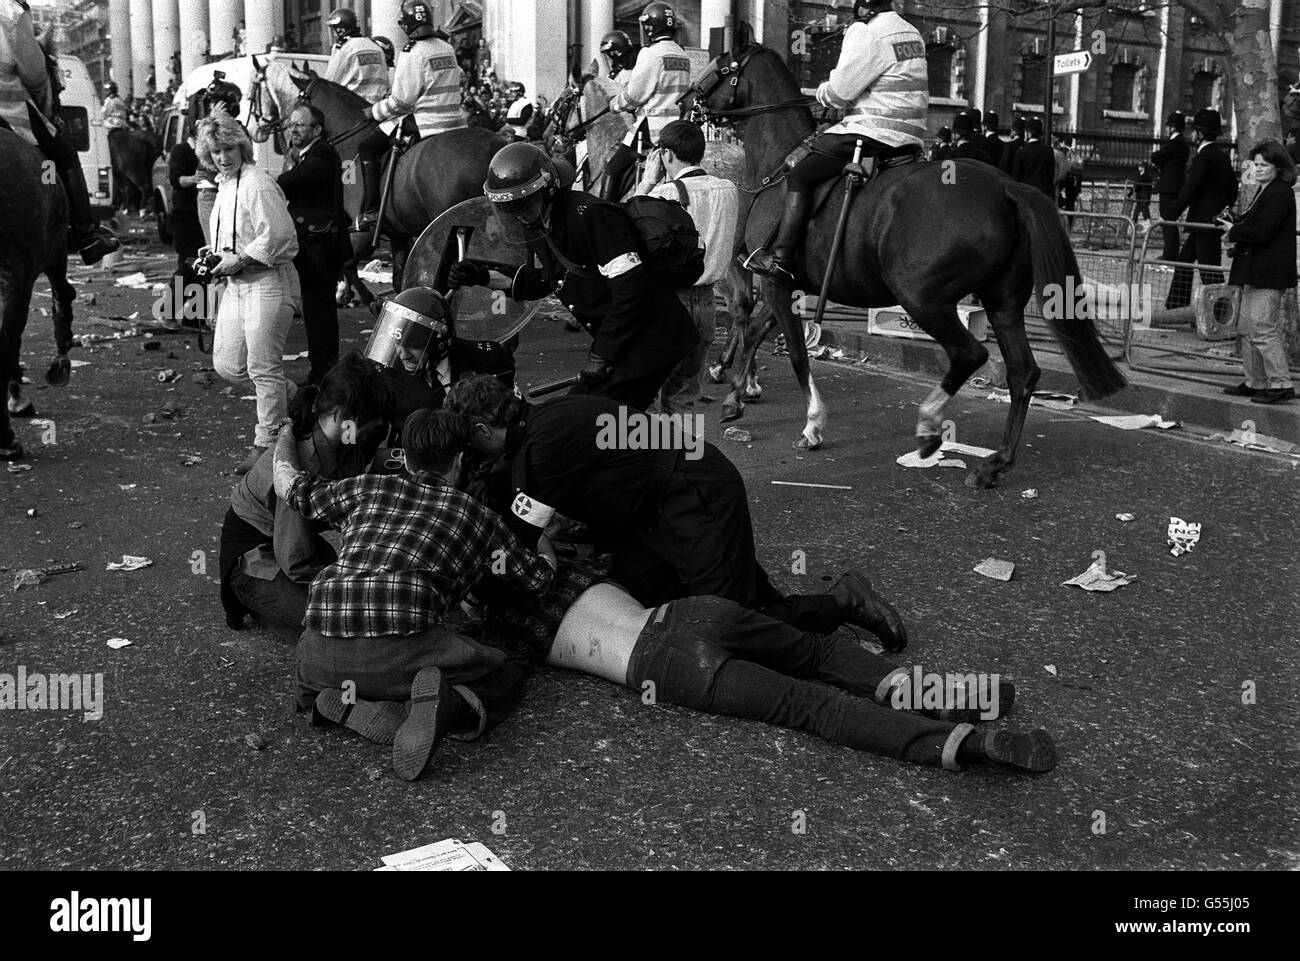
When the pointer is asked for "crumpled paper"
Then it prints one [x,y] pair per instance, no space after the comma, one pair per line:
[1183,536]
[1039,398]
[996,569]
[1135,421]
[128,562]
[27,578]
[937,459]
[117,643]
[1097,578]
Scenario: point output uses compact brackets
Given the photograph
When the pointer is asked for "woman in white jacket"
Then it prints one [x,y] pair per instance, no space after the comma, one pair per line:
[253,235]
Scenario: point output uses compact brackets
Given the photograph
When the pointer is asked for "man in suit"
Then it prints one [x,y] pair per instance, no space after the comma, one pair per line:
[313,186]
[963,132]
[1211,186]
[1171,162]
[1035,163]
[991,142]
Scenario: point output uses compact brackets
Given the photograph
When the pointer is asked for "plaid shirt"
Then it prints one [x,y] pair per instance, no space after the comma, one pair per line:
[413,547]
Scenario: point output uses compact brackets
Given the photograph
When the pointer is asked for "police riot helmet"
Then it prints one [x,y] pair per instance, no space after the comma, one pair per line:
[222,91]
[386,45]
[519,172]
[416,20]
[412,327]
[657,20]
[616,46]
[866,9]
[343,22]
[517,89]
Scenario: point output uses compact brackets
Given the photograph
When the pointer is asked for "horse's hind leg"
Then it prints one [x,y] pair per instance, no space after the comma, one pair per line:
[1022,376]
[965,356]
[16,295]
[60,370]
[779,300]
[738,293]
[748,338]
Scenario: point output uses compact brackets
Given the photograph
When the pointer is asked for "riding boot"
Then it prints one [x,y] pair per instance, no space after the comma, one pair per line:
[780,263]
[92,242]
[372,172]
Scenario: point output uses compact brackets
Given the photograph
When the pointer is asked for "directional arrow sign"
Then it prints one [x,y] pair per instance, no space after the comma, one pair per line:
[1076,62]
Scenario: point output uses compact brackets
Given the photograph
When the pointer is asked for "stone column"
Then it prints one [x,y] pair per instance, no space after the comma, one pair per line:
[264,21]
[119,26]
[597,20]
[194,34]
[166,38]
[223,17]
[383,21]
[141,47]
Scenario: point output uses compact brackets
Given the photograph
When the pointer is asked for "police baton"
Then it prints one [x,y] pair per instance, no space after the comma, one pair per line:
[543,389]
[856,175]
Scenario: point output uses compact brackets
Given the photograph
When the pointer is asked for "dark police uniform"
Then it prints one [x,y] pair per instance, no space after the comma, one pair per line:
[1171,160]
[638,322]
[971,150]
[1211,185]
[678,526]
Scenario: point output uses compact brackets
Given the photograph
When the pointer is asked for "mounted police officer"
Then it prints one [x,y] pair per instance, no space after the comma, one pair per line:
[115,109]
[425,94]
[357,62]
[589,255]
[652,93]
[619,53]
[881,85]
[520,113]
[27,99]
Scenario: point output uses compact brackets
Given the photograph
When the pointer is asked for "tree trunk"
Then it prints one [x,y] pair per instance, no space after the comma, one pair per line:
[1243,28]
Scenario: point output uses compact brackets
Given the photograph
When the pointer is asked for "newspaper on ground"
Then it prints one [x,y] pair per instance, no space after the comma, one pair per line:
[1097,578]
[448,855]
[1183,536]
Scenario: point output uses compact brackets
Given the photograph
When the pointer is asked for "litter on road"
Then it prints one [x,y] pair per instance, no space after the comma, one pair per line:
[1125,517]
[937,459]
[448,855]
[129,562]
[737,434]
[826,487]
[1097,578]
[117,643]
[996,569]
[1039,398]
[1134,421]
[1183,536]
[1029,493]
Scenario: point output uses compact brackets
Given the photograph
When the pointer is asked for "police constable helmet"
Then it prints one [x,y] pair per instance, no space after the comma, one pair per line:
[386,45]
[1177,121]
[963,123]
[657,20]
[518,177]
[866,9]
[991,121]
[344,23]
[416,20]
[413,327]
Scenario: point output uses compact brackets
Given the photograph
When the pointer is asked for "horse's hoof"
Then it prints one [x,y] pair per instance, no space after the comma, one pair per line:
[13,452]
[980,481]
[24,409]
[717,373]
[732,412]
[927,445]
[59,371]
[803,443]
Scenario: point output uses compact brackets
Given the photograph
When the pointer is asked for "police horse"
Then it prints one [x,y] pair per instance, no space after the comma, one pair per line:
[923,235]
[34,211]
[431,176]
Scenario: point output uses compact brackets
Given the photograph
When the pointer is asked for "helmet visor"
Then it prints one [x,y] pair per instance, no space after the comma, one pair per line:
[527,210]
[401,338]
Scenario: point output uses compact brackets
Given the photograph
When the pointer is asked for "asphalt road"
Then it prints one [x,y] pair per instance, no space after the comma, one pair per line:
[1161,763]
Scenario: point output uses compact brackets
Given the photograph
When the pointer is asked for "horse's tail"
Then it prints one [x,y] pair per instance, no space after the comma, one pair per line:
[1054,262]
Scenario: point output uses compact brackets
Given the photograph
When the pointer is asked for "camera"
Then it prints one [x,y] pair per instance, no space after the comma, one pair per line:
[203,266]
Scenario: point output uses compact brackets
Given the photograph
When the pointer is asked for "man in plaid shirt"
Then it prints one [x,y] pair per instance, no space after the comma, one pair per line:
[413,547]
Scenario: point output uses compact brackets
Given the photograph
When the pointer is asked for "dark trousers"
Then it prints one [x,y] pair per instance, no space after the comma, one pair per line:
[318,270]
[768,671]
[280,605]
[830,152]
[701,542]
[383,668]
[1171,233]
[1201,247]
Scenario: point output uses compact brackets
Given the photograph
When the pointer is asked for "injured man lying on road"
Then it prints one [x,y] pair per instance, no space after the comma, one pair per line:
[379,655]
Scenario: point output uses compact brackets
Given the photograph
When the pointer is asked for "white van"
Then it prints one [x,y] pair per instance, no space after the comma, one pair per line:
[83,121]
[239,71]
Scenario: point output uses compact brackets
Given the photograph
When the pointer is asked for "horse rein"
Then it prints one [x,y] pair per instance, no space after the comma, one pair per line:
[276,126]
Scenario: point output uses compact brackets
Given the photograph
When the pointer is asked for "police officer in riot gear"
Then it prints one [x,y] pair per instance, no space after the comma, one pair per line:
[616,47]
[356,61]
[589,255]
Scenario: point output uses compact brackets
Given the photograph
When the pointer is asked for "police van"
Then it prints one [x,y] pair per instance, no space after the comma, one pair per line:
[240,72]
[83,125]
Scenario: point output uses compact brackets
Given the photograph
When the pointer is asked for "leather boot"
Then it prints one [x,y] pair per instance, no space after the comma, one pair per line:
[92,243]
[613,184]
[780,263]
[372,172]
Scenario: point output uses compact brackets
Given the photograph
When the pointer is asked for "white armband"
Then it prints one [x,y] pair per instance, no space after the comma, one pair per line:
[621,265]
[531,511]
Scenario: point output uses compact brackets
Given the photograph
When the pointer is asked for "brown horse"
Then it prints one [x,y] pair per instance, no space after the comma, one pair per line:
[433,175]
[923,235]
[34,210]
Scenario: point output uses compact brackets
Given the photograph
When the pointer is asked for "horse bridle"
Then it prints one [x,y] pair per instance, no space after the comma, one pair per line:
[726,70]
[275,123]
[564,108]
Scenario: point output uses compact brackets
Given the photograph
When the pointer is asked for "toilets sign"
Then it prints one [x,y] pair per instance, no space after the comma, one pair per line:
[1076,62]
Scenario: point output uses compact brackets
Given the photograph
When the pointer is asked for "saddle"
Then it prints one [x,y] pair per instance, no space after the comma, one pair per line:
[897,157]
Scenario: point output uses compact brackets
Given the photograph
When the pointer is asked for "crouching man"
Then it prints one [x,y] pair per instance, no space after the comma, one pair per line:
[375,643]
